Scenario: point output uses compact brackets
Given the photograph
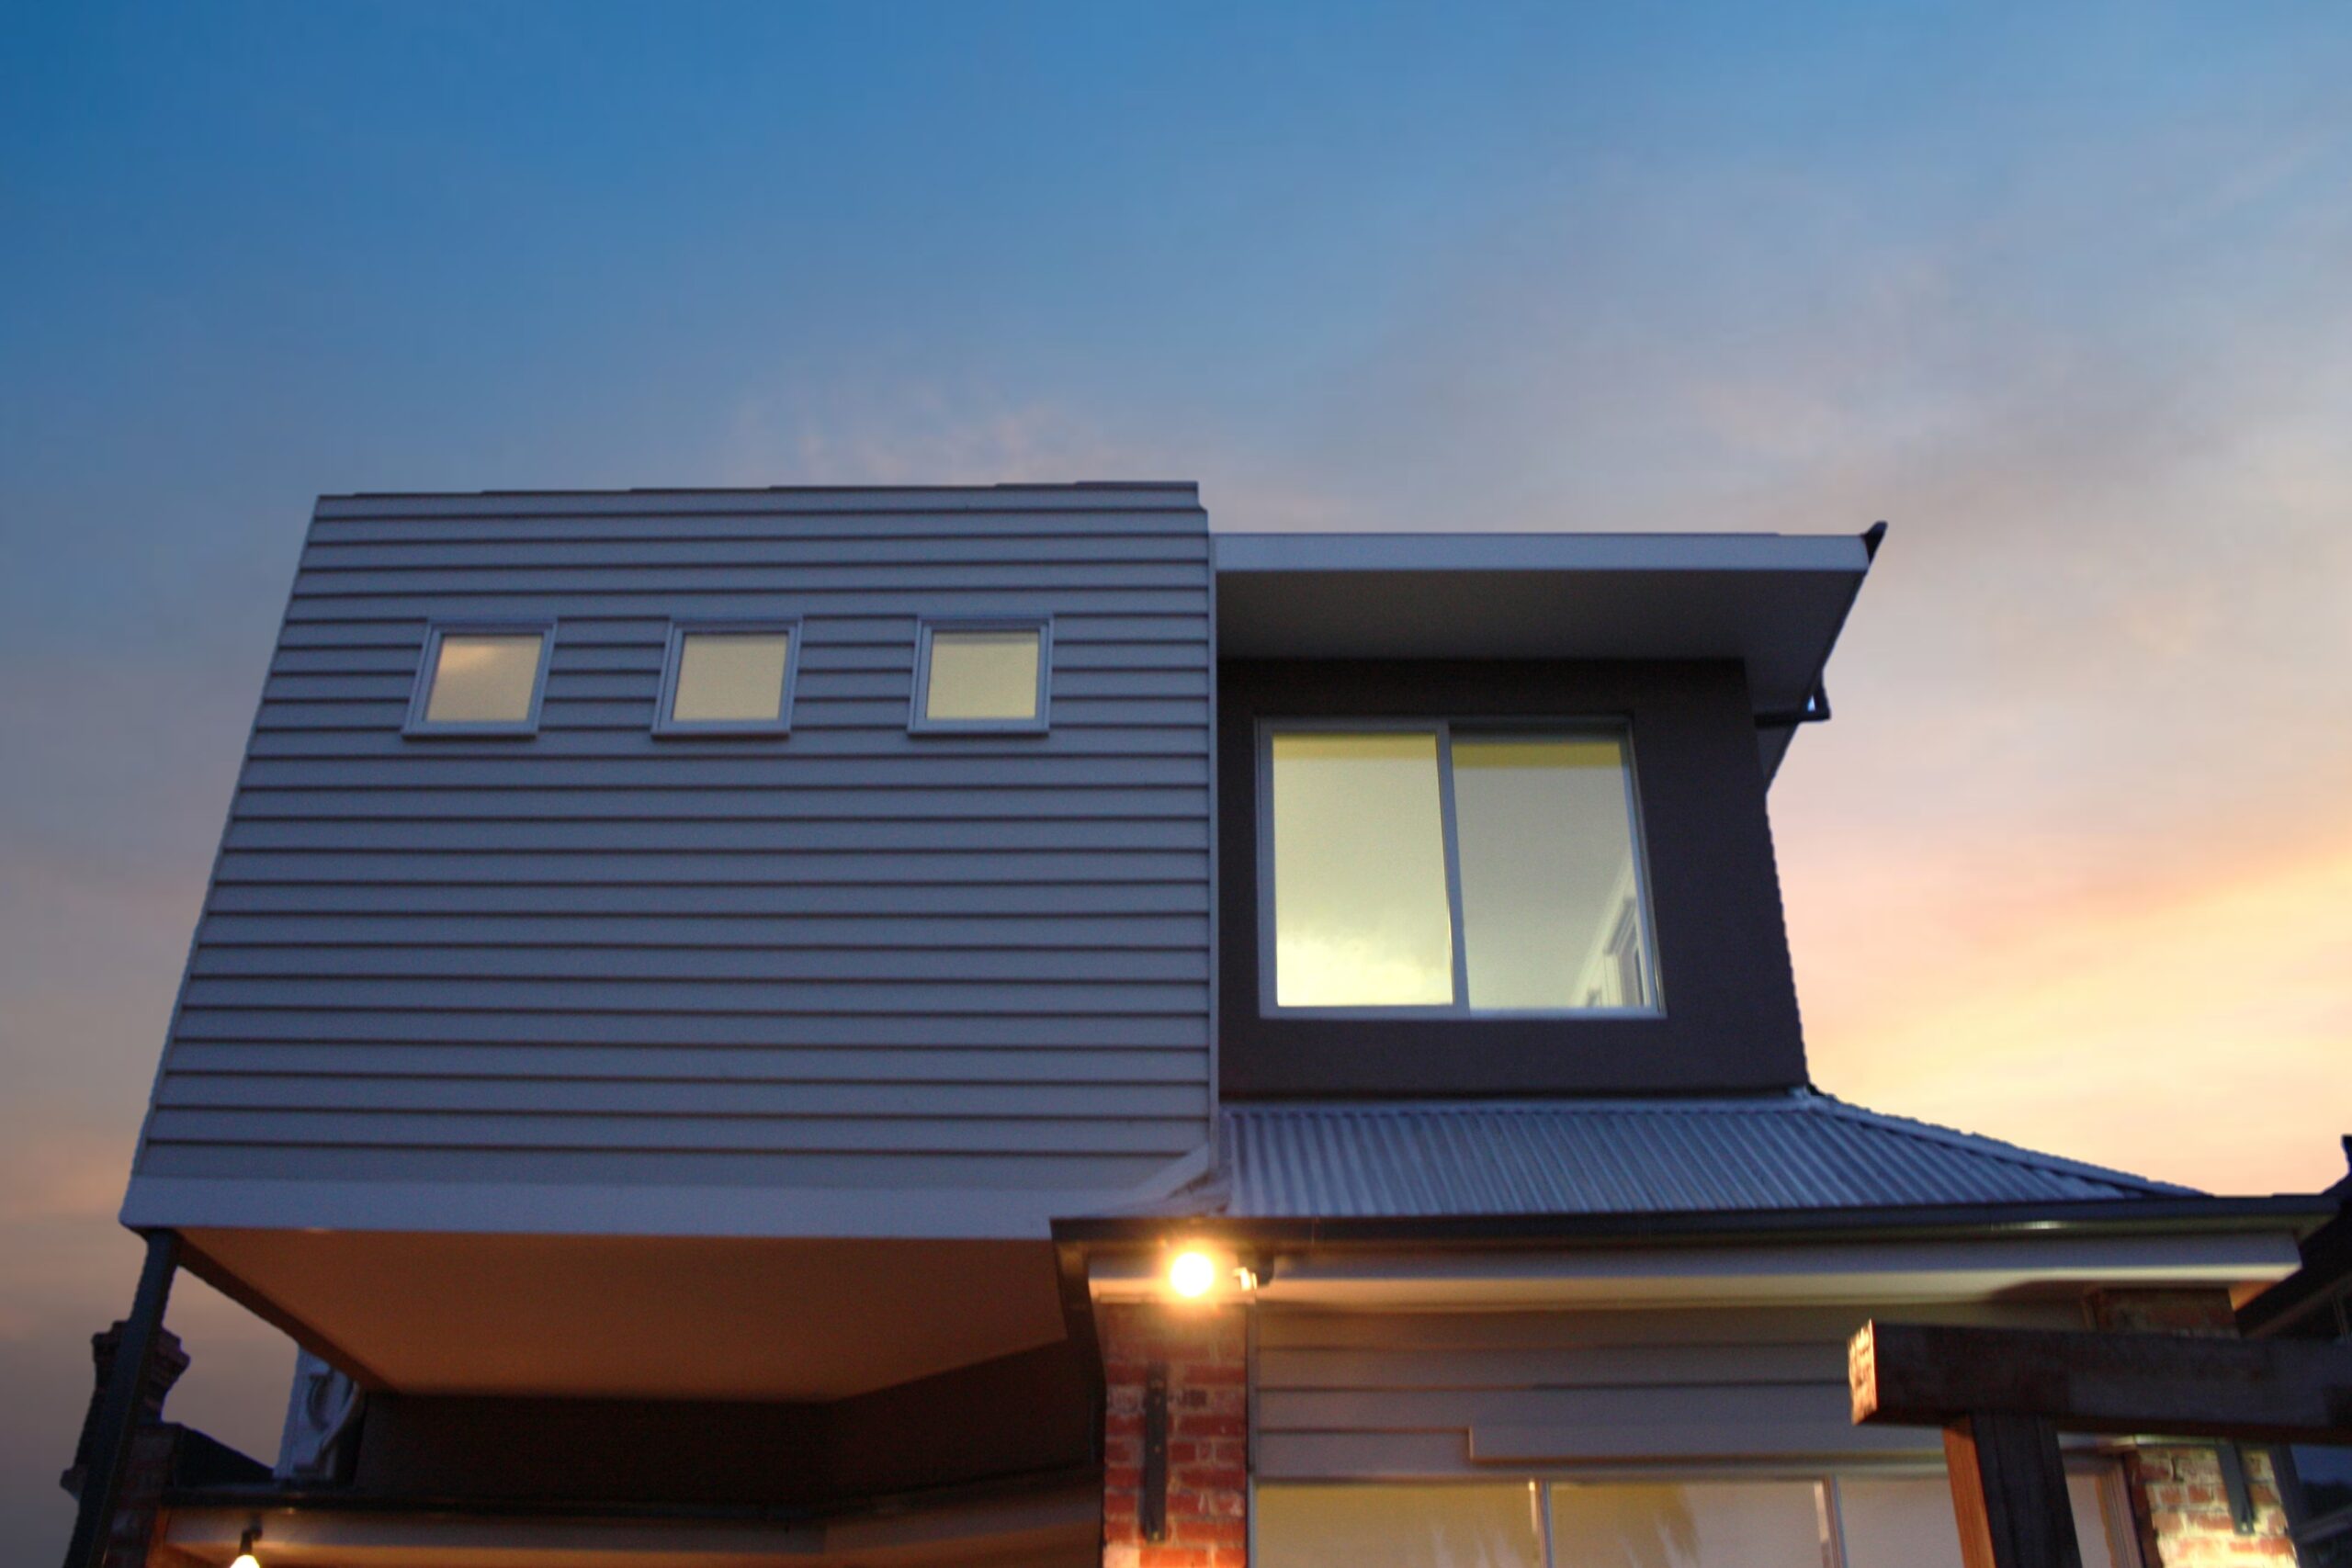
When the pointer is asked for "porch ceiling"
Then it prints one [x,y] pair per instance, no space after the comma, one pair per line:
[639,1316]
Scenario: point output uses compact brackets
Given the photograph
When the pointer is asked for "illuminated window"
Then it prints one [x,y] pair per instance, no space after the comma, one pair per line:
[733,678]
[480,680]
[1448,866]
[1839,1521]
[1474,1525]
[981,676]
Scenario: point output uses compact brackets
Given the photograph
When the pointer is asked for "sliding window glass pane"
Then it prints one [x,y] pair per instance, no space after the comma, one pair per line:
[1473,1526]
[1738,1524]
[481,679]
[981,676]
[1551,902]
[730,677]
[1361,913]
[1906,1522]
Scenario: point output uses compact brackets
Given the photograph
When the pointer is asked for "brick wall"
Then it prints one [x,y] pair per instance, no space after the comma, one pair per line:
[1204,1353]
[2179,1501]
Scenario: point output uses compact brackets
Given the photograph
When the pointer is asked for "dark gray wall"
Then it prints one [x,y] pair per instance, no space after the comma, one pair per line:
[1730,1022]
[849,958]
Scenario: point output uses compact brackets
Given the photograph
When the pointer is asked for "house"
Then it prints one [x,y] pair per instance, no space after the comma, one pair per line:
[984,1024]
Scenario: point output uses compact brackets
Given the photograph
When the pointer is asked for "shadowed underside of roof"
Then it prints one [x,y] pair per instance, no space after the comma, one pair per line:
[1803,1151]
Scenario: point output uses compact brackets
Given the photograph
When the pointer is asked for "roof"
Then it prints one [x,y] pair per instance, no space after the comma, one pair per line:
[1773,602]
[1804,1151]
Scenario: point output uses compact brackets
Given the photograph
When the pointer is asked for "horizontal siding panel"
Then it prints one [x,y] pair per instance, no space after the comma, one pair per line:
[637,740]
[853,869]
[809,935]
[1293,1371]
[655,1031]
[652,1097]
[648,625]
[815,551]
[1425,1395]
[892,684]
[1720,1399]
[1099,501]
[1434,1332]
[808,714]
[1166,1066]
[769,771]
[849,955]
[681,803]
[721,530]
[944,1135]
[691,967]
[343,604]
[778,998]
[1033,579]
[649,899]
[1002,1169]
[835,836]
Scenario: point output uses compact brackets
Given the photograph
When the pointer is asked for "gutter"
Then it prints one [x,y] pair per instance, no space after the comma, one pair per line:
[2298,1213]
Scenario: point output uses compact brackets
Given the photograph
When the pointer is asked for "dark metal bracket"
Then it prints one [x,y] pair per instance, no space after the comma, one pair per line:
[1152,1507]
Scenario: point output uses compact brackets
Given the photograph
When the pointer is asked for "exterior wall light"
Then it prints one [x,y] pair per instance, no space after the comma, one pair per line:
[1197,1271]
[1193,1273]
[245,1558]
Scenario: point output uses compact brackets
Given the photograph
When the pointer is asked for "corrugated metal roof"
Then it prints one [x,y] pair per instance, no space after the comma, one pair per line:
[1803,1151]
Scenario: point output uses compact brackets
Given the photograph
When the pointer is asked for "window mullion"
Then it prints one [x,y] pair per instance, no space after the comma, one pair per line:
[1453,864]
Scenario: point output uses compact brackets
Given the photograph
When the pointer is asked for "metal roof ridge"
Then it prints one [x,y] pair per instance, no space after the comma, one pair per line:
[1990,1147]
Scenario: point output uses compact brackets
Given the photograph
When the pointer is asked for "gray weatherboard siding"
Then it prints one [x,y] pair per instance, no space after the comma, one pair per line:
[969,973]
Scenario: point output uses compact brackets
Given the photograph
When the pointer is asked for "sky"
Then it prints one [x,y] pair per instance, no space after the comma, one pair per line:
[2063,292]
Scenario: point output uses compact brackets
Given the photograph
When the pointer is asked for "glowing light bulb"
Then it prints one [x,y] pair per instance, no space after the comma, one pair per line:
[247,1560]
[1191,1274]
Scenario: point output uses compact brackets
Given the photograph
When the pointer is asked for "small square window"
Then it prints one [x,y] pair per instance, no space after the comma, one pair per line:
[485,680]
[730,679]
[982,676]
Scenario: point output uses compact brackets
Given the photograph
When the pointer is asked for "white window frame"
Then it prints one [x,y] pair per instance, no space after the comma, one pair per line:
[417,726]
[917,724]
[1619,730]
[667,725]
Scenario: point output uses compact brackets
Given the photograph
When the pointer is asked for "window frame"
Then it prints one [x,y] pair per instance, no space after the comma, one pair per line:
[1619,730]
[416,727]
[668,727]
[918,724]
[2114,1510]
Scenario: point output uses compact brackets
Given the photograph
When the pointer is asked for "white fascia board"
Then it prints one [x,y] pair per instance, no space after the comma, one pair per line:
[1534,552]
[1922,1271]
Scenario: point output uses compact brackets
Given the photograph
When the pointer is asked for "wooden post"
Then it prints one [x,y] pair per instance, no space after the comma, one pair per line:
[2008,1492]
[118,1417]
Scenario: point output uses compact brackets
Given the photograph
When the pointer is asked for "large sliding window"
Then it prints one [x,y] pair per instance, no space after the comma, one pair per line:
[1450,867]
[1848,1521]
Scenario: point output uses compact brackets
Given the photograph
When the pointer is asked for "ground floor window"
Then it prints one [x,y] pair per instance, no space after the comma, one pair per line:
[1836,1521]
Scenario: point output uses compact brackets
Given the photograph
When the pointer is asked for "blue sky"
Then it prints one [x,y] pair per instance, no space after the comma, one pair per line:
[2061,291]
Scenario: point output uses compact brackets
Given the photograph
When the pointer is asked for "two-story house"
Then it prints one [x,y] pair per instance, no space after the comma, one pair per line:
[892,1027]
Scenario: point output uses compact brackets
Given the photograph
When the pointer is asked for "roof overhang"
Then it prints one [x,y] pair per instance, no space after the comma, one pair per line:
[1773,602]
[1954,1269]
